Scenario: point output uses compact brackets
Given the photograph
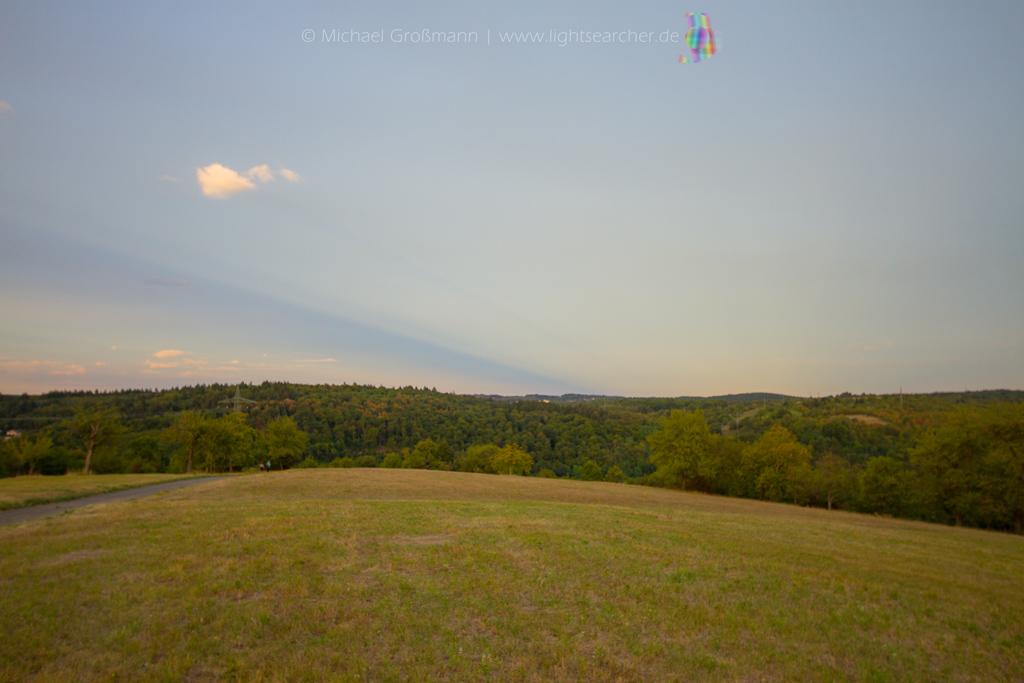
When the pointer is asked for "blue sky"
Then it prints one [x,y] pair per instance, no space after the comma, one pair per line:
[192,193]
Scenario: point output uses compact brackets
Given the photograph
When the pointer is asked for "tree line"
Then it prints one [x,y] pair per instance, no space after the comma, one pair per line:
[940,457]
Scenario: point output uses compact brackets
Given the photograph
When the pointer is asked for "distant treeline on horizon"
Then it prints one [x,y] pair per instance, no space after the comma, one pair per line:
[872,453]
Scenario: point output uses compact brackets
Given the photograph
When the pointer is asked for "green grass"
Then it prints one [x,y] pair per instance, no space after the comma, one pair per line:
[20,492]
[397,575]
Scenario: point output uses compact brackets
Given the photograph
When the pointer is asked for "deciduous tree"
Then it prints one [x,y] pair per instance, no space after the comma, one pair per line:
[96,429]
[286,442]
[680,448]
[512,460]
[1004,425]
[883,486]
[955,468]
[770,460]
[188,431]
[28,450]
[477,458]
[834,479]
[591,471]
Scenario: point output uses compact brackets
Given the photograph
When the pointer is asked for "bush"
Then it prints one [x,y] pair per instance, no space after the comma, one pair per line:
[392,460]
[308,463]
[547,474]
[105,461]
[615,475]
[54,463]
[366,461]
[591,471]
[478,458]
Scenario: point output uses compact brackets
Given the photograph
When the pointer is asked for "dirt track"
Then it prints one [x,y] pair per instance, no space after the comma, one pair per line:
[38,511]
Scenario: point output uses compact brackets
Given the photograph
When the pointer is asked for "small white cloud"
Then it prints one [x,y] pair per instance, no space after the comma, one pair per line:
[219,181]
[68,370]
[32,366]
[260,173]
[99,362]
[4,107]
[168,353]
[169,178]
[290,176]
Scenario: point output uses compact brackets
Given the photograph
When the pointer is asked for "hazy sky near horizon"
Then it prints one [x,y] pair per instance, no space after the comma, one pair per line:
[197,192]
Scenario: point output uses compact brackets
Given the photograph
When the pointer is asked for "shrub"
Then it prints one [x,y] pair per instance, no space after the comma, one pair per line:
[547,474]
[54,462]
[615,475]
[392,460]
[591,471]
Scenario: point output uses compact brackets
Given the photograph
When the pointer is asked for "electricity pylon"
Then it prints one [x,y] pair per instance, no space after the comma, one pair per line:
[237,401]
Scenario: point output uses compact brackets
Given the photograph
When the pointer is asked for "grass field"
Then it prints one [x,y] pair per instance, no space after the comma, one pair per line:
[399,575]
[19,492]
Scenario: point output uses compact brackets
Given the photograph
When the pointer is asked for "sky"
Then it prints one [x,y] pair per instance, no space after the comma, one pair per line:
[513,198]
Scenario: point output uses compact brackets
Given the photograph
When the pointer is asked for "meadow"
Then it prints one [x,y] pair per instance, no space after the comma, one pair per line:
[404,575]
[19,492]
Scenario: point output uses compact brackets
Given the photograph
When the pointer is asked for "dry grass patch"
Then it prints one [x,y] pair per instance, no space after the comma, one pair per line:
[393,575]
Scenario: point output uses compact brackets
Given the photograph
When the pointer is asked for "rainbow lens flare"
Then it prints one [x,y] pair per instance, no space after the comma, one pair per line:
[699,38]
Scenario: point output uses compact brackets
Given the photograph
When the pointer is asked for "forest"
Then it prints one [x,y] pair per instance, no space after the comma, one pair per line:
[954,458]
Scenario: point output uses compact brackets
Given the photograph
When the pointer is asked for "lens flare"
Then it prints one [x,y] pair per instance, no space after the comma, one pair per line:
[699,38]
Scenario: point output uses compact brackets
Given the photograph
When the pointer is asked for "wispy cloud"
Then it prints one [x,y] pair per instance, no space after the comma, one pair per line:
[169,353]
[34,366]
[290,176]
[69,370]
[4,107]
[169,178]
[220,181]
[260,173]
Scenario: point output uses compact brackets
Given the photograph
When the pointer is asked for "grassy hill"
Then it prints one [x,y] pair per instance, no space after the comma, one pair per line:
[406,575]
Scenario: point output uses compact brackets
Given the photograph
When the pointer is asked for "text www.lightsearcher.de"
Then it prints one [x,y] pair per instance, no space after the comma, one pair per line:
[564,38]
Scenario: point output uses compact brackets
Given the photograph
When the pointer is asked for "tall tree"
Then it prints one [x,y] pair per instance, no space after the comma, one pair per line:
[955,468]
[1004,425]
[96,429]
[229,442]
[189,431]
[770,459]
[834,478]
[286,442]
[512,459]
[28,451]
[680,448]
[883,486]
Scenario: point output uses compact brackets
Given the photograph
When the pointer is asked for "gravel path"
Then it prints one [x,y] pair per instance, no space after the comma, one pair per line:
[37,511]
